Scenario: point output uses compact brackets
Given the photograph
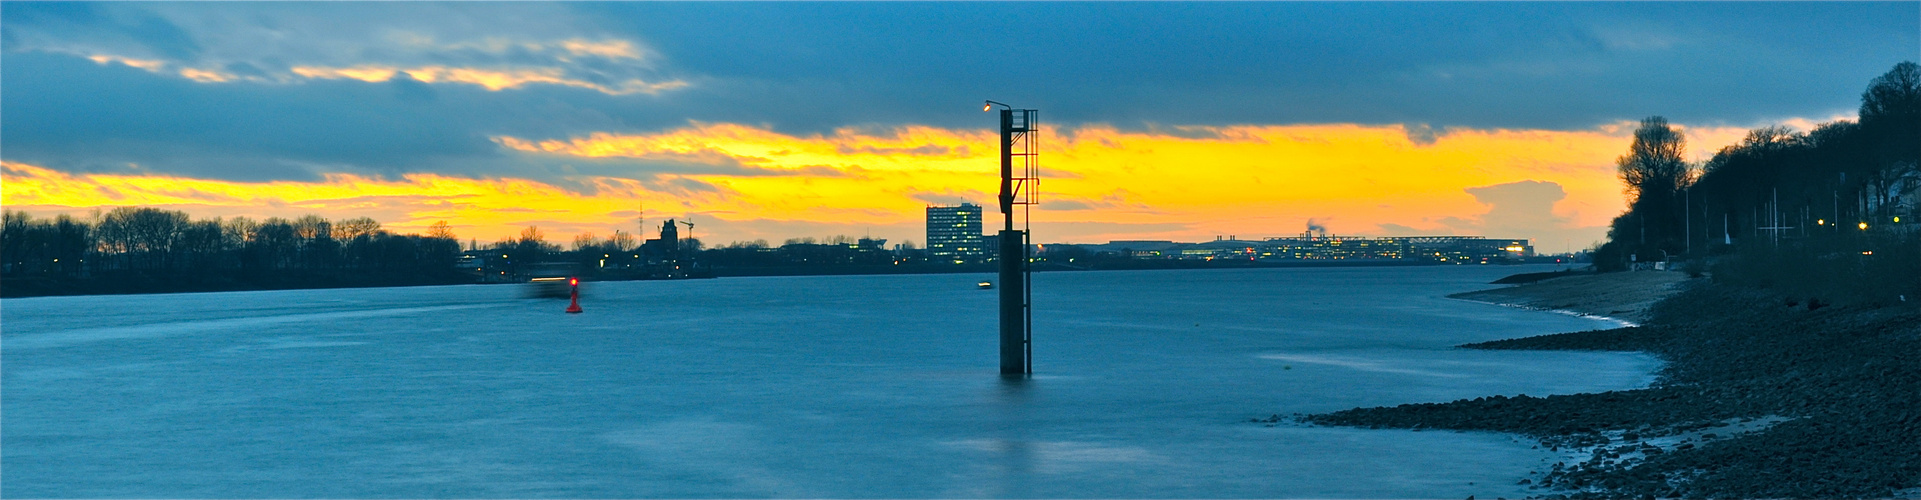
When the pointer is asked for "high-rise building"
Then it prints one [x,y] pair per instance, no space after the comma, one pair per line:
[954,234]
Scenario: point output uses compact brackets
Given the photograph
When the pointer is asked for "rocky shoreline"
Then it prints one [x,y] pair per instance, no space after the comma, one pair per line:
[1762,396]
[1623,296]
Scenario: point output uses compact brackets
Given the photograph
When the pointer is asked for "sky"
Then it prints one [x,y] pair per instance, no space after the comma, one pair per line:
[1169,121]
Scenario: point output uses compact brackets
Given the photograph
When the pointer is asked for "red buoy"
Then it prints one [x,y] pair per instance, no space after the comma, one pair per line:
[574,308]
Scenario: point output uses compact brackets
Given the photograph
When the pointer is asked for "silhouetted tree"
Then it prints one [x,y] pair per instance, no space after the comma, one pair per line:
[348,229]
[142,237]
[1894,96]
[13,239]
[621,241]
[1654,162]
[59,247]
[1654,171]
[586,241]
[190,254]
[1891,118]
[442,230]
[203,246]
[275,245]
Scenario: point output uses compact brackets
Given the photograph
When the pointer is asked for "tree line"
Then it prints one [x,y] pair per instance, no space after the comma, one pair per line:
[145,249]
[135,243]
[1839,200]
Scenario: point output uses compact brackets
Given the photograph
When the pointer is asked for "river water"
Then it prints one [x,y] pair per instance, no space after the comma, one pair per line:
[846,386]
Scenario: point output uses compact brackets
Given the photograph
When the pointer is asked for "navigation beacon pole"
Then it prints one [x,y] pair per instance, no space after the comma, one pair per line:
[574,296]
[1017,141]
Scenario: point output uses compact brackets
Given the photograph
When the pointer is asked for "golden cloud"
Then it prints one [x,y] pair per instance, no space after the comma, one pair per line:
[560,55]
[491,79]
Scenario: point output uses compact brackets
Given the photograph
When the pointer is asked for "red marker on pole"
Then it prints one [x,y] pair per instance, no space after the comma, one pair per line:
[574,308]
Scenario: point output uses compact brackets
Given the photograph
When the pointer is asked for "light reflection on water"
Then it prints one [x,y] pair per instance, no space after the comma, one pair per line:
[856,386]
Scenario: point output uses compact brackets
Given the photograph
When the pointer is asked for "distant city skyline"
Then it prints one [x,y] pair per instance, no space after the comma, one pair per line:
[1164,121]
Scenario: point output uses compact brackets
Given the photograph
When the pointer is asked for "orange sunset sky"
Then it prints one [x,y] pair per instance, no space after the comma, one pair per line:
[1558,187]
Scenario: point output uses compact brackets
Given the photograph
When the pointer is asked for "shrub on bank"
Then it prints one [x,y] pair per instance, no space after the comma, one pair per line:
[1866,269]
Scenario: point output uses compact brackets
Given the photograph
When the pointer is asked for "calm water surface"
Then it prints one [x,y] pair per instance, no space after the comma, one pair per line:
[858,386]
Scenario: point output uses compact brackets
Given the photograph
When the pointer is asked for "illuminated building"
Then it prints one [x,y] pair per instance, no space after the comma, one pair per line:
[954,234]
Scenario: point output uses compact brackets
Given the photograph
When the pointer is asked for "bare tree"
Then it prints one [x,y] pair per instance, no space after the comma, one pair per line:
[142,237]
[312,227]
[239,229]
[584,241]
[621,241]
[441,230]
[349,229]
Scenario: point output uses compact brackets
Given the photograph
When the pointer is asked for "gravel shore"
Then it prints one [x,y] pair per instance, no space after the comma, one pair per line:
[1625,296]
[1762,396]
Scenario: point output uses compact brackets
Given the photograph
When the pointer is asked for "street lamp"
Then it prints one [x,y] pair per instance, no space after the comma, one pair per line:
[989,106]
[1864,226]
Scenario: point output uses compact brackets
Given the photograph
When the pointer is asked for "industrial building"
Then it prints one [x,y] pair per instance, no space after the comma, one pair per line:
[1323,247]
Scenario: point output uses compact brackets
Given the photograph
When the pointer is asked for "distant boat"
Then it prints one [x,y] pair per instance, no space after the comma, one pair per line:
[986,285]
[551,280]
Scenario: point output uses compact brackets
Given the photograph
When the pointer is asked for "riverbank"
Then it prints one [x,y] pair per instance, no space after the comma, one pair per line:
[1626,296]
[1762,396]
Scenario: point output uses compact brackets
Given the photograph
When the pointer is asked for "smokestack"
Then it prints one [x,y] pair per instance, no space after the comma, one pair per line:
[1313,225]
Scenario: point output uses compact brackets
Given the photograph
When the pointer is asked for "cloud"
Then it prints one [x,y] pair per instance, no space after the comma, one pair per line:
[684,186]
[488,78]
[950,197]
[1392,229]
[791,67]
[1069,205]
[1537,65]
[492,47]
[1526,209]
[758,150]
[1096,231]
[1520,204]
[1118,200]
[298,90]
[1422,134]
